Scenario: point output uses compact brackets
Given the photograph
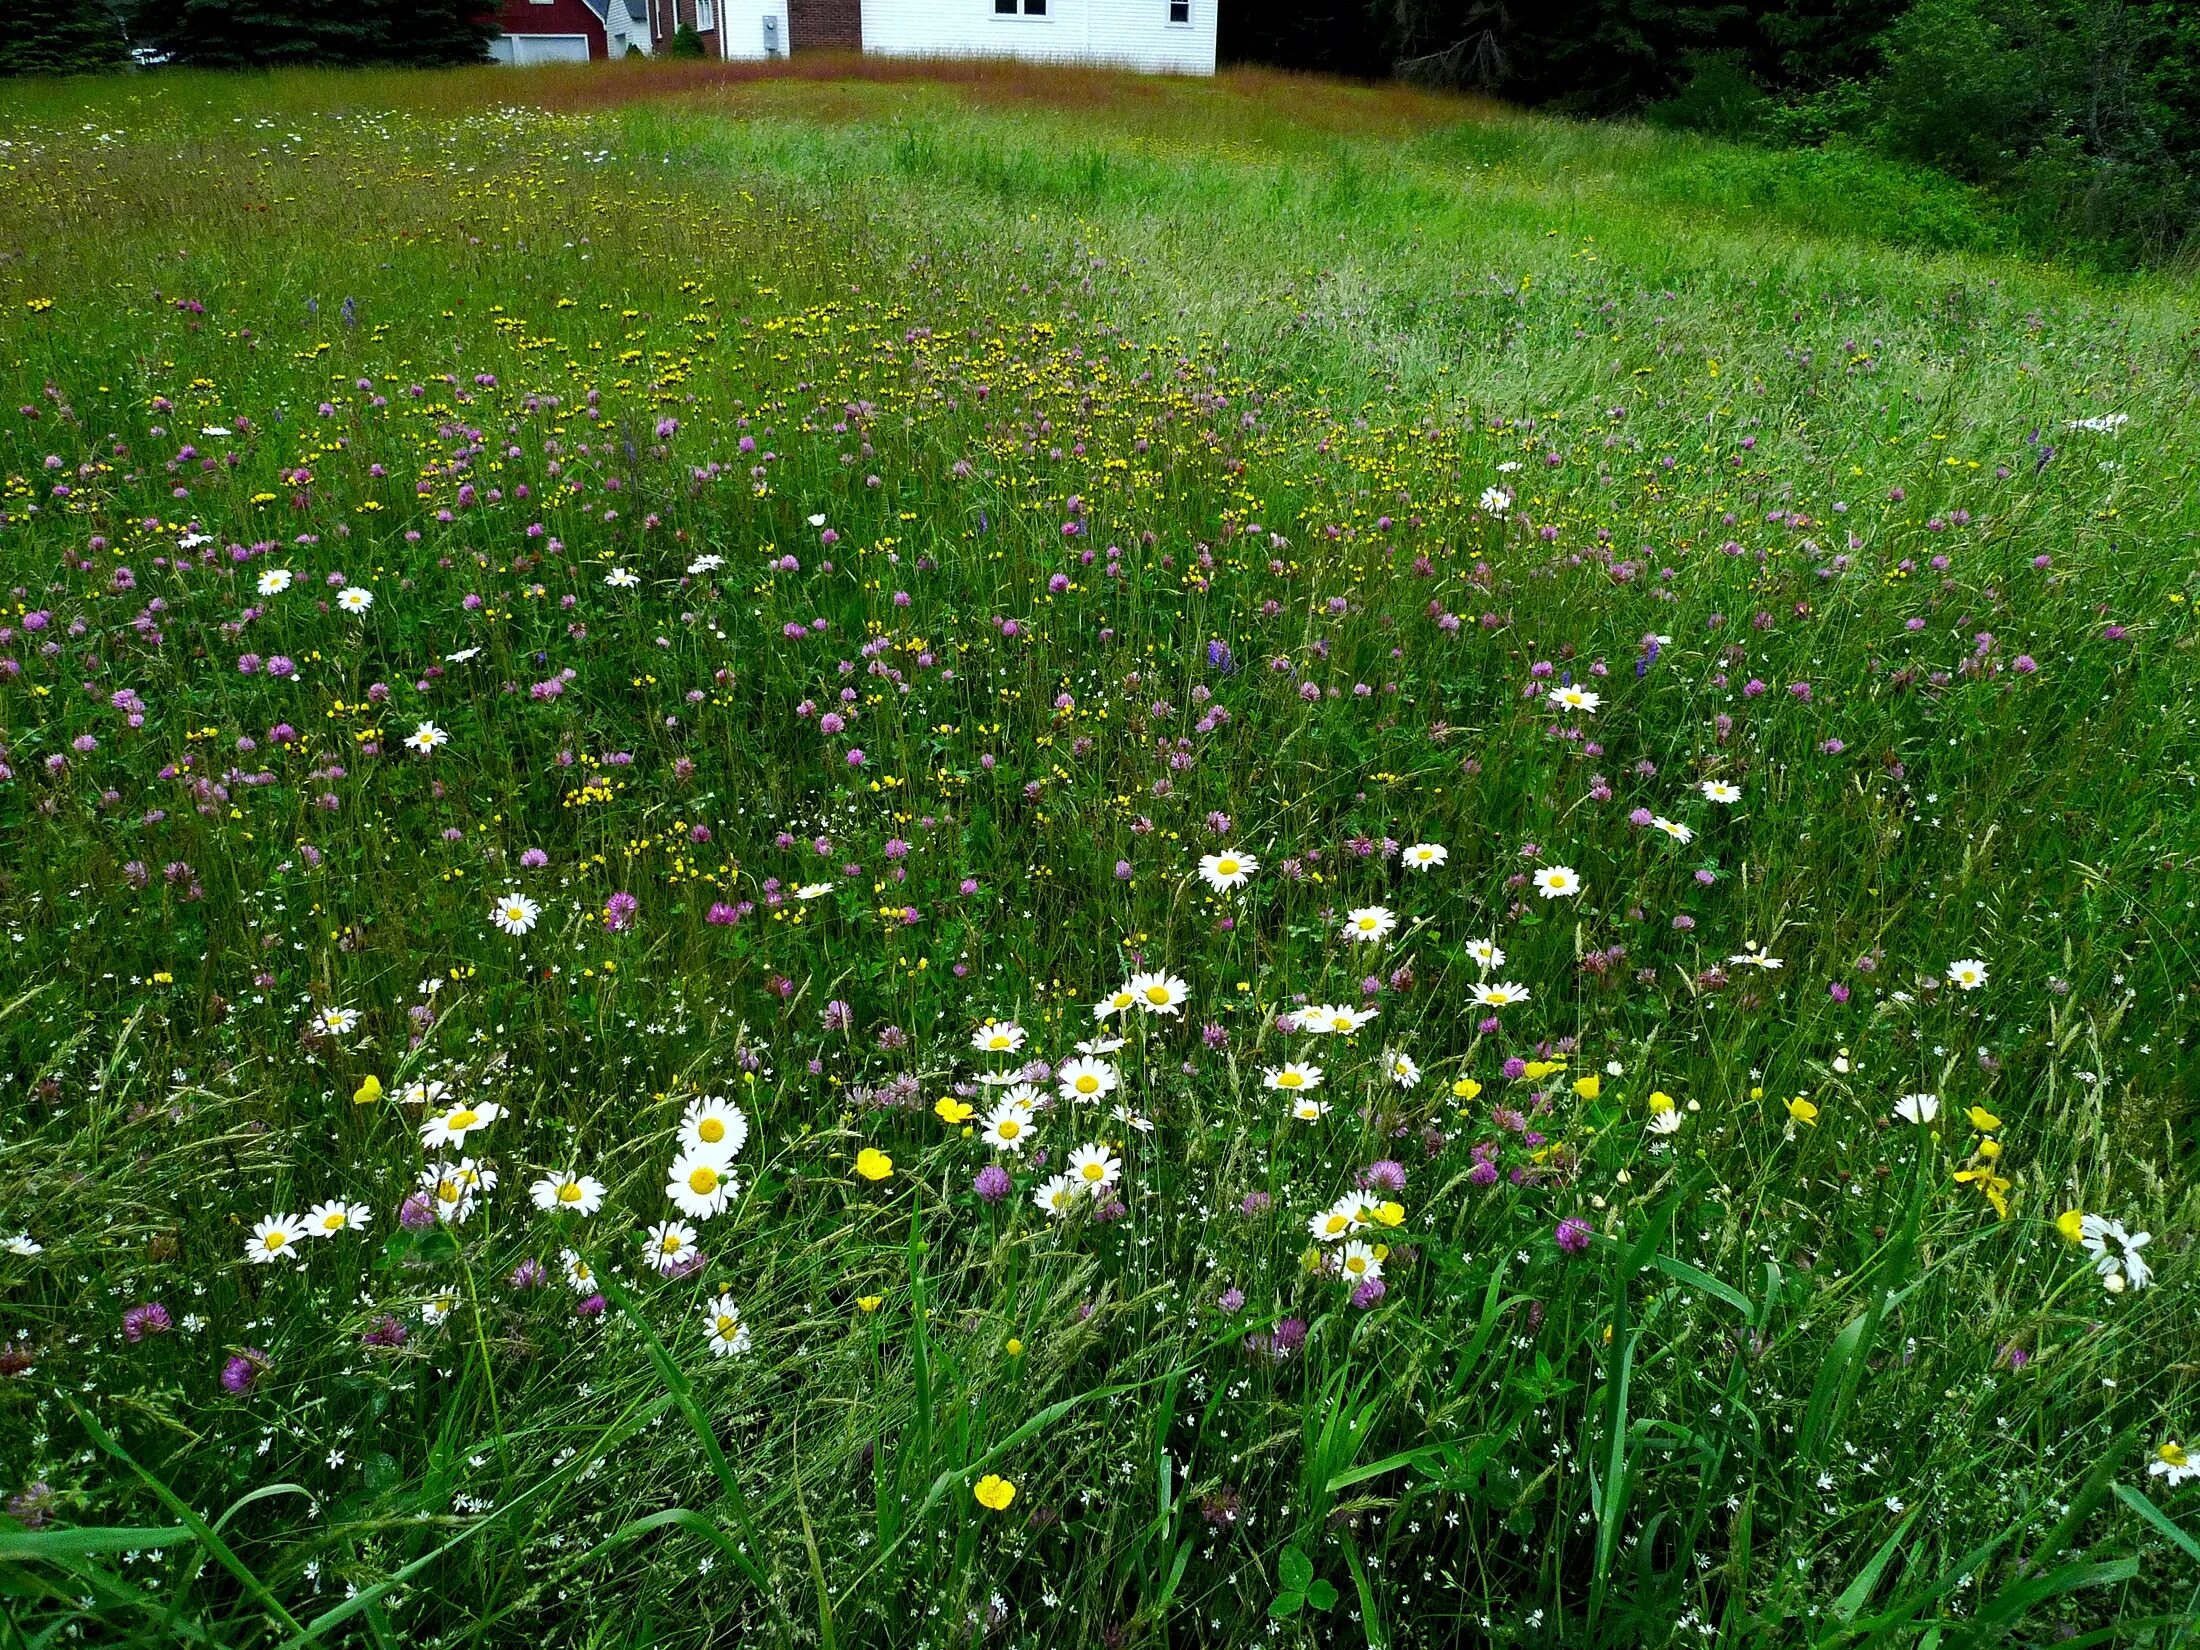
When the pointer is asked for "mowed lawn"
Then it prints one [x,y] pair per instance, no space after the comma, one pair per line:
[945,855]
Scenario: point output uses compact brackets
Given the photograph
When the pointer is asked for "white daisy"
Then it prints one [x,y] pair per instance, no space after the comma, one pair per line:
[700,1184]
[1425,856]
[1486,953]
[1227,870]
[355,598]
[1718,790]
[621,578]
[1672,828]
[1292,1078]
[1058,1196]
[1306,1109]
[275,581]
[1119,1001]
[23,1244]
[1577,698]
[426,737]
[1085,1079]
[451,1128]
[724,1329]
[328,1219]
[421,1091]
[1094,1168]
[1557,881]
[706,564]
[716,1126]
[1008,1129]
[1753,955]
[1402,1069]
[1967,974]
[1333,1019]
[813,890]
[1131,1120]
[1159,993]
[1369,922]
[1502,994]
[515,913]
[998,1037]
[564,1189]
[1358,1264]
[335,1022]
[580,1277]
[1918,1108]
[668,1245]
[2173,1464]
[274,1238]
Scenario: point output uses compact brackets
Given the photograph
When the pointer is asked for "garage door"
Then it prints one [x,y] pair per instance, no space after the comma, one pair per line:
[549,48]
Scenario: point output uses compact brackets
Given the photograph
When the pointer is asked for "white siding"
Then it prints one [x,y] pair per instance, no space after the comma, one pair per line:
[741,26]
[1131,34]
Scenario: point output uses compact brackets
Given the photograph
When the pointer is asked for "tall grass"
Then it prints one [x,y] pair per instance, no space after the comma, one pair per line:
[1135,471]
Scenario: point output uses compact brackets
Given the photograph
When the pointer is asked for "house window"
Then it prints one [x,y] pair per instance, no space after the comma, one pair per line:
[1008,8]
[706,19]
[1180,11]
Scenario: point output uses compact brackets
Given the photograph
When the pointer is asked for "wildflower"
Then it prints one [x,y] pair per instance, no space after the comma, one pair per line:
[146,1318]
[244,1368]
[669,1246]
[22,1244]
[992,1183]
[813,890]
[1572,1234]
[873,1164]
[954,1113]
[1357,1262]
[1369,922]
[1292,1078]
[1753,955]
[1504,994]
[328,1219]
[1227,870]
[1402,1069]
[1465,1088]
[1578,698]
[274,1238]
[1589,1087]
[1058,1196]
[1982,1120]
[2173,1464]
[1719,791]
[706,564]
[1666,1119]
[368,1091]
[420,1091]
[335,1022]
[1967,974]
[1803,1112]
[994,1492]
[724,1329]
[515,913]
[1424,856]
[1159,993]
[1007,1129]
[580,1277]
[426,738]
[621,578]
[2071,1224]
[452,1127]
[1495,501]
[699,1184]
[1557,882]
[1994,1188]
[998,1037]
[716,1126]
[355,599]
[274,581]
[1333,1019]
[1672,828]
[1306,1109]
[563,1189]
[1920,1109]
[1119,1001]
[1085,1079]
[1131,1120]
[1094,1168]
[2115,1253]
[1486,954]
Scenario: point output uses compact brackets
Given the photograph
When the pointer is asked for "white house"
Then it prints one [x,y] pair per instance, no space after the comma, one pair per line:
[1157,36]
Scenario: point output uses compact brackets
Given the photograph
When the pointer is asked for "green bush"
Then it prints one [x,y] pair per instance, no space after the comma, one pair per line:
[685,43]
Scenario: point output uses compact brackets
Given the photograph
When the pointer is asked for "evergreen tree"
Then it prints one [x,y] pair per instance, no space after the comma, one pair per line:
[249,34]
[60,37]
[435,33]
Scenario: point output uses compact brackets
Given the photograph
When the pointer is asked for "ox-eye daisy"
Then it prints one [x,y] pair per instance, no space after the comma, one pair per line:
[515,913]
[354,598]
[1119,1001]
[998,1037]
[1486,953]
[1008,1129]
[426,737]
[580,1277]
[1557,881]
[700,1184]
[451,1128]
[1292,1078]
[1369,922]
[1425,856]
[1159,993]
[1967,974]
[327,1219]
[1502,994]
[564,1189]
[274,1238]
[1085,1079]
[724,1329]
[1718,790]
[669,1245]
[1094,1167]
[1306,1109]
[275,581]
[715,1126]
[1058,1196]
[1577,698]
[1227,870]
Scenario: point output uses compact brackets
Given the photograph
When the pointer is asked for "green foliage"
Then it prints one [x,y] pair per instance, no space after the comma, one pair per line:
[60,37]
[1797,418]
[685,42]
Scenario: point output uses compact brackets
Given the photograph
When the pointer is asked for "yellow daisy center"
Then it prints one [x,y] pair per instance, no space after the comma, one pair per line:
[1087,1083]
[711,1130]
[1228,867]
[703,1180]
[569,1192]
[1093,1171]
[1009,1128]
[275,1240]
[1157,993]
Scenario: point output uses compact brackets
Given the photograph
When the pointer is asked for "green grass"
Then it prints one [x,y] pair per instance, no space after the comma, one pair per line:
[1794,488]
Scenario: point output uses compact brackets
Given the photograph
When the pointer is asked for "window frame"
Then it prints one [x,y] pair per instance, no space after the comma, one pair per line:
[1183,22]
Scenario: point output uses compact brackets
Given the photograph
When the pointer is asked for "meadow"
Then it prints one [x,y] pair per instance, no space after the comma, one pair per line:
[921,856]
